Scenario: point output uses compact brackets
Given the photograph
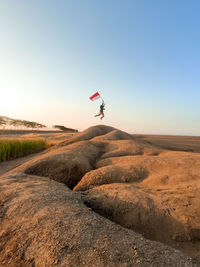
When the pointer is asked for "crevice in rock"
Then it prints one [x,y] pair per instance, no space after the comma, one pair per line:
[67,171]
[59,172]
[162,231]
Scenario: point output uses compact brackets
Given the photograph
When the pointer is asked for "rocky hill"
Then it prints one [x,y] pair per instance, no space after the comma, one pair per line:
[102,198]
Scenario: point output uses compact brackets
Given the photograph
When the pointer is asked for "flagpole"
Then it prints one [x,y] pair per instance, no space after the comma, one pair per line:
[101,97]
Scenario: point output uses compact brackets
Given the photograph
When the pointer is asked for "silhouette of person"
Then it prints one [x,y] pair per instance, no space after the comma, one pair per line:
[102,107]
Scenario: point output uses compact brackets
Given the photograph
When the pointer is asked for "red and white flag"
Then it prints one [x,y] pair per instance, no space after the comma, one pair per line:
[95,96]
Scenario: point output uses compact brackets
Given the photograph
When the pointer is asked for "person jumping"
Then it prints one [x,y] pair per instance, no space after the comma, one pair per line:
[102,107]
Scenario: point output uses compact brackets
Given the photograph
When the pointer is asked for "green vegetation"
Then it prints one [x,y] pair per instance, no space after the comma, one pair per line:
[10,149]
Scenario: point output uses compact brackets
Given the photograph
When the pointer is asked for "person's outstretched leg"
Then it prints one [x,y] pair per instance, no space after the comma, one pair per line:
[102,116]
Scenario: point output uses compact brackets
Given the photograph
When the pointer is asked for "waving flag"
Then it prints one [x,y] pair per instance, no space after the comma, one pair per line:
[95,96]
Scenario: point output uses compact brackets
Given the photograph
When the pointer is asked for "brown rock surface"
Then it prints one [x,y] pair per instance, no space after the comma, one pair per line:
[137,185]
[43,223]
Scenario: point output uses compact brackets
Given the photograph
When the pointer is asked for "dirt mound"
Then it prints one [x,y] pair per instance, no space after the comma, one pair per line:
[111,174]
[151,191]
[162,215]
[67,165]
[120,148]
[71,235]
[89,134]
[113,135]
[167,169]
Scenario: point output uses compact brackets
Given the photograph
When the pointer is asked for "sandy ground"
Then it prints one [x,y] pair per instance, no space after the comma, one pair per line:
[11,164]
[170,142]
[149,184]
[51,136]
[181,143]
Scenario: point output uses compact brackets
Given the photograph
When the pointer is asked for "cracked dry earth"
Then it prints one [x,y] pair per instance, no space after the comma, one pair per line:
[102,198]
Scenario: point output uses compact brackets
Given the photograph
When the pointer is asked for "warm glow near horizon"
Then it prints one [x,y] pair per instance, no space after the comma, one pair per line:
[54,56]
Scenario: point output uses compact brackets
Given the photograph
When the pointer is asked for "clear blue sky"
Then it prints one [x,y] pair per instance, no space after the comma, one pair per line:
[143,56]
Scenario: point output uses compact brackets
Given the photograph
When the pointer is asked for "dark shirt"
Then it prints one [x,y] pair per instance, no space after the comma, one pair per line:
[101,108]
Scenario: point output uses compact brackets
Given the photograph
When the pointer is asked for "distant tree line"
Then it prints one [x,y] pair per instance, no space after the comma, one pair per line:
[19,124]
[8,123]
[63,128]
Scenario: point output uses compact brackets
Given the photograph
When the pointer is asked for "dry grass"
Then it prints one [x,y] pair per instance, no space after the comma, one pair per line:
[13,148]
